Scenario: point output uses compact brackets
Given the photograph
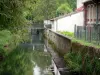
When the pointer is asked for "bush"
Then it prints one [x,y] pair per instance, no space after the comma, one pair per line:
[8,40]
[5,40]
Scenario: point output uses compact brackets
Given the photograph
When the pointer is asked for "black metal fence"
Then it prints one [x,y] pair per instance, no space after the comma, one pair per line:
[88,33]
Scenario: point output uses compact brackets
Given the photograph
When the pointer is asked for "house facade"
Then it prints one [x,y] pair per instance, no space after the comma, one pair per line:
[87,14]
[91,11]
[67,22]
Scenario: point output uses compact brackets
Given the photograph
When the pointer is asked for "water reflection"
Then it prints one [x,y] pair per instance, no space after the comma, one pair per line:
[17,63]
[40,56]
[36,70]
[42,60]
[27,59]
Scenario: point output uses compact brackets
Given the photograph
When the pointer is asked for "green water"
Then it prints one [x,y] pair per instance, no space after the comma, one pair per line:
[27,60]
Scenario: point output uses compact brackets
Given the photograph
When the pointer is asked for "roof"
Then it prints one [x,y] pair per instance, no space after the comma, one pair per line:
[62,16]
[80,9]
[93,1]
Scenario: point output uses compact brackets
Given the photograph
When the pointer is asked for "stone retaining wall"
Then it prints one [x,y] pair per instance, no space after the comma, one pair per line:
[65,45]
[62,43]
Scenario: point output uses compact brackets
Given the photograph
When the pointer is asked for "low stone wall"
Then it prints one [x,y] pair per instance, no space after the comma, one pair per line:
[64,44]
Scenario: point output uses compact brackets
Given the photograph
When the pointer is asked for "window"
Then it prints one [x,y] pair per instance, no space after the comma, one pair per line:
[91,14]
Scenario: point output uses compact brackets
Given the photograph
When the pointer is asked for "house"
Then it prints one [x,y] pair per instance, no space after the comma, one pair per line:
[86,14]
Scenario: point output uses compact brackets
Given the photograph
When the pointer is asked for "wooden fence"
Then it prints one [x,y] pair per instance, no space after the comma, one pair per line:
[88,33]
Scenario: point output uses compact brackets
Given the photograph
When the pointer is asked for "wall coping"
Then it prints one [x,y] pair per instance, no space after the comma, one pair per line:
[68,38]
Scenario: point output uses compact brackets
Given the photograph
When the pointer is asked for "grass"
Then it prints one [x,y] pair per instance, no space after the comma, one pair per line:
[75,62]
[66,33]
[75,40]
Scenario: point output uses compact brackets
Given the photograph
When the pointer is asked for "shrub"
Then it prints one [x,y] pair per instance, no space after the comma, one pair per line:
[5,40]
[8,40]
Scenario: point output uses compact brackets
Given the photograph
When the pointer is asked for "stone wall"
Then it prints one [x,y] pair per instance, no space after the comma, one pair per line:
[64,44]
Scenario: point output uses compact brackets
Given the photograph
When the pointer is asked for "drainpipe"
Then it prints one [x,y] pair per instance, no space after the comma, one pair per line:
[97,21]
[97,14]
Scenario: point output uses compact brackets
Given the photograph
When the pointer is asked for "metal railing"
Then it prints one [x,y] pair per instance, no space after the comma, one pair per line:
[88,33]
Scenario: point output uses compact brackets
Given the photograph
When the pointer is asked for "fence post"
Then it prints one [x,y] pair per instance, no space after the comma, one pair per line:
[98,34]
[75,32]
[85,33]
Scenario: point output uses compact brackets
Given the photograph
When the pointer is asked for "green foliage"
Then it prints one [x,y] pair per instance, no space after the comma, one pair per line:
[16,63]
[64,9]
[5,37]
[65,6]
[38,10]
[5,41]
[11,14]
[84,43]
[74,40]
[72,4]
[75,62]
[12,21]
[44,9]
[92,66]
[22,60]
[8,40]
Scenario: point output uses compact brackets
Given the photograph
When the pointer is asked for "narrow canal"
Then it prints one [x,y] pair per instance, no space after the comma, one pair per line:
[28,59]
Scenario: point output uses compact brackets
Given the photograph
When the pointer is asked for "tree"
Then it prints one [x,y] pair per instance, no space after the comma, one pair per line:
[72,4]
[44,9]
[47,9]
[12,14]
[64,8]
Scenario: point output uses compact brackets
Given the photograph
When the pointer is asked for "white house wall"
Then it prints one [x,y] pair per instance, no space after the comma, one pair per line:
[46,22]
[54,25]
[67,23]
[78,19]
[64,24]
